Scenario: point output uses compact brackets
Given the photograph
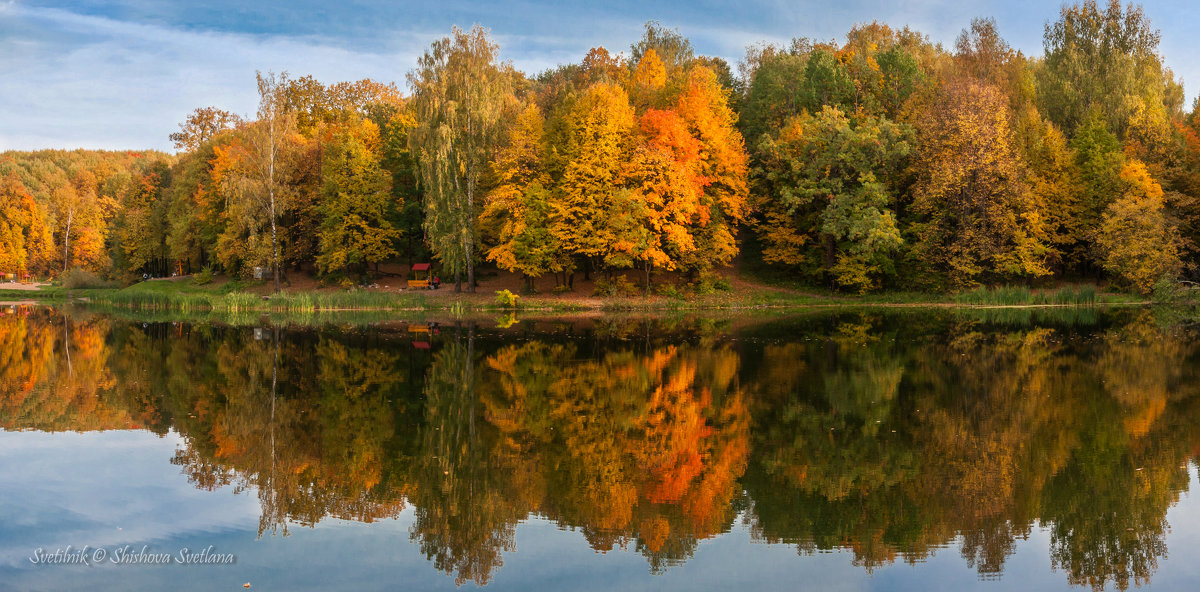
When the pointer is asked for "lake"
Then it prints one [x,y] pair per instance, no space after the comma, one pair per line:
[850,450]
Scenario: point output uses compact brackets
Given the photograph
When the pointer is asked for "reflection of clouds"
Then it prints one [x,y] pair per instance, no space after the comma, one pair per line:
[78,489]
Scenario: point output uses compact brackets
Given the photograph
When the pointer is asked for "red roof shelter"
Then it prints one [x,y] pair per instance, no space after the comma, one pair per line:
[422,278]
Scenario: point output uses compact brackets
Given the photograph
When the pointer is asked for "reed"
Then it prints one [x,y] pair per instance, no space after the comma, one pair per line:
[1075,295]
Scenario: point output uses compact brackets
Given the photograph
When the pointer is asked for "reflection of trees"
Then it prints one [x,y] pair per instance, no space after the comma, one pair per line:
[54,373]
[467,505]
[1129,461]
[993,430]
[631,447]
[304,424]
[889,438]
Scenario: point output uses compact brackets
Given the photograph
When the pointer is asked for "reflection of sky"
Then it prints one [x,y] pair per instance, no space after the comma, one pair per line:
[123,73]
[78,489]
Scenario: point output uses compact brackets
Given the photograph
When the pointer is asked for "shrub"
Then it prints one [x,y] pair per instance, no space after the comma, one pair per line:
[506,299]
[1167,290]
[669,290]
[710,283]
[82,279]
[205,276]
[618,286]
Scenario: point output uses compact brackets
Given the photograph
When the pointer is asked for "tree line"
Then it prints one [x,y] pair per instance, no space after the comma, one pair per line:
[880,162]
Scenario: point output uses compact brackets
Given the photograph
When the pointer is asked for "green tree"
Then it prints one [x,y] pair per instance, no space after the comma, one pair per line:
[1099,160]
[1103,59]
[827,178]
[459,95]
[355,230]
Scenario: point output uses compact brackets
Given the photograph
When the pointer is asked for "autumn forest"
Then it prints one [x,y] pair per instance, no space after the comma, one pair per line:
[879,162]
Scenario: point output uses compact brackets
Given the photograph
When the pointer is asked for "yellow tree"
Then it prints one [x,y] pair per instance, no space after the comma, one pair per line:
[649,78]
[1136,242]
[80,220]
[599,139]
[202,125]
[520,203]
[355,230]
[658,231]
[1054,181]
[978,215]
[25,242]
[251,174]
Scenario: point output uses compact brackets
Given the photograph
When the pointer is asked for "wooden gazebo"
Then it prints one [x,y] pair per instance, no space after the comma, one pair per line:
[422,277]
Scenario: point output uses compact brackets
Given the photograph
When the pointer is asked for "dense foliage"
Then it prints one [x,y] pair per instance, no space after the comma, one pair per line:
[880,162]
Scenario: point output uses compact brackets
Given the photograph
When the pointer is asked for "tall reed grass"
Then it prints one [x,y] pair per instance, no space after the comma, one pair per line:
[235,302]
[1080,295]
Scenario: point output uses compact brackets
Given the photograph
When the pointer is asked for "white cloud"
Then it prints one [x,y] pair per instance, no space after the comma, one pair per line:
[126,86]
[74,80]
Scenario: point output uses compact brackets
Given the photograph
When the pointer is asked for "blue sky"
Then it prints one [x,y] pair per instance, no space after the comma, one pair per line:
[123,73]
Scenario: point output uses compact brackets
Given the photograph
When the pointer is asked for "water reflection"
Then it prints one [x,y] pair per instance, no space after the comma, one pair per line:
[885,436]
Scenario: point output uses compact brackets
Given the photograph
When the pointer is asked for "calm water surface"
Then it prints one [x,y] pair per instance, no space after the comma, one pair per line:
[849,451]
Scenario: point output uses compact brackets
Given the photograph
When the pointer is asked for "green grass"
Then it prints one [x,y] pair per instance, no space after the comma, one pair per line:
[184,298]
[1074,295]
[235,298]
[232,299]
[46,293]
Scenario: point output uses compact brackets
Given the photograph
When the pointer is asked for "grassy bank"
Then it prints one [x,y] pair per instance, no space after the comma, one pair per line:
[236,298]
[233,298]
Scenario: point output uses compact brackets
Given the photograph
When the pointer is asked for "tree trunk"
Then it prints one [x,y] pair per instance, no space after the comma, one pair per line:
[274,245]
[67,241]
[469,239]
[271,193]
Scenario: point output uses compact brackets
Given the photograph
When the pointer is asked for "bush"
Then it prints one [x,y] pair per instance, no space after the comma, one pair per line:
[1166,290]
[710,283]
[563,289]
[669,290]
[82,279]
[506,299]
[205,276]
[618,286]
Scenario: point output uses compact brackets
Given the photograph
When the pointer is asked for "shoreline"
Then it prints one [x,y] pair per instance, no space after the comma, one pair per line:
[343,302]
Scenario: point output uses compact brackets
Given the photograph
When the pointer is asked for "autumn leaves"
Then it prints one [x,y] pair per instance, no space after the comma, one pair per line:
[889,162]
[884,162]
[607,165]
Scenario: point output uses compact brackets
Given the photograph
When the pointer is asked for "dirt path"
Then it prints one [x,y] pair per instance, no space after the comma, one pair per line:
[22,287]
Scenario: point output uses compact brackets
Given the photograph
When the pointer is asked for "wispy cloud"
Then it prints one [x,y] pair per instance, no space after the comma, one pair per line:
[123,73]
[96,82]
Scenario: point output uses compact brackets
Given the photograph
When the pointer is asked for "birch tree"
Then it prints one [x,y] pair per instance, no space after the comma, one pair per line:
[460,91]
[251,172]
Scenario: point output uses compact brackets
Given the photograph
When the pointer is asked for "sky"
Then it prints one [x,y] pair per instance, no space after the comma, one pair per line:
[122,74]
